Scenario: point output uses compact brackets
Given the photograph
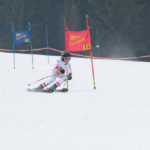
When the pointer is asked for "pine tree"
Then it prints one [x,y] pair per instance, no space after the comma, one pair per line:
[14,13]
[119,25]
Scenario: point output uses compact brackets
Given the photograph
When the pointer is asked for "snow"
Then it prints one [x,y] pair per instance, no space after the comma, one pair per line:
[115,116]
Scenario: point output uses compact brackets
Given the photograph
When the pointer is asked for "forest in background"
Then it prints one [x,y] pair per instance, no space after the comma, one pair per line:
[119,28]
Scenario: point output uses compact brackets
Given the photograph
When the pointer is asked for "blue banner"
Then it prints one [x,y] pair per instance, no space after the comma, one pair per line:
[22,36]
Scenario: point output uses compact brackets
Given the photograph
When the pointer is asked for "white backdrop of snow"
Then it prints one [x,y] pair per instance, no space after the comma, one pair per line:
[115,116]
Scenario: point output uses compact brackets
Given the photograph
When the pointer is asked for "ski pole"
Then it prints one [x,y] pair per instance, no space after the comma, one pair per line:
[40,79]
[67,81]
[64,84]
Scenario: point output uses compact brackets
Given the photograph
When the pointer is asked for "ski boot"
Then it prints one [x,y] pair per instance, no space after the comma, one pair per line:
[40,87]
[64,90]
[52,88]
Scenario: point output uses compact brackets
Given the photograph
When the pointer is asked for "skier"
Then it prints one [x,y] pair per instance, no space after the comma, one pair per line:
[61,67]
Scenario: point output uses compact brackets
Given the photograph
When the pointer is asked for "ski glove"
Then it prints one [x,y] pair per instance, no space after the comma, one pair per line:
[61,70]
[69,76]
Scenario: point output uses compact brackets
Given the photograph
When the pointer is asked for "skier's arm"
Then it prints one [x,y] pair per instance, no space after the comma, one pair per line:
[69,73]
[58,69]
[69,77]
[61,70]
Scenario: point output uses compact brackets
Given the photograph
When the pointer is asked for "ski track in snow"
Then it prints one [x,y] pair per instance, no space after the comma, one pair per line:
[115,116]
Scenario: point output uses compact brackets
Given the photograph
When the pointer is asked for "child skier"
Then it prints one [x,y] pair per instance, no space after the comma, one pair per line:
[61,67]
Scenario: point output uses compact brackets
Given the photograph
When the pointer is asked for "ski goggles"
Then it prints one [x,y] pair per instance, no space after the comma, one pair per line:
[67,58]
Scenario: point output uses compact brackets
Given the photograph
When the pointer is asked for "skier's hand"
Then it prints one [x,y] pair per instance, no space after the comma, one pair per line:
[69,76]
[61,70]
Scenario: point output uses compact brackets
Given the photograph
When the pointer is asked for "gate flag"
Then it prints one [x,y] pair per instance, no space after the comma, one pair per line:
[22,36]
[78,40]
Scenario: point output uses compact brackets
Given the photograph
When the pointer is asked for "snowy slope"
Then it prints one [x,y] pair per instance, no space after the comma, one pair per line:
[115,116]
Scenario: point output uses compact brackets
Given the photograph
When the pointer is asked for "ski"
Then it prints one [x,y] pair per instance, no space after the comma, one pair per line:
[47,90]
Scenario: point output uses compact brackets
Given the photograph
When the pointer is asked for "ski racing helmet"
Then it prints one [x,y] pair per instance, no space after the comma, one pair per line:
[64,55]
